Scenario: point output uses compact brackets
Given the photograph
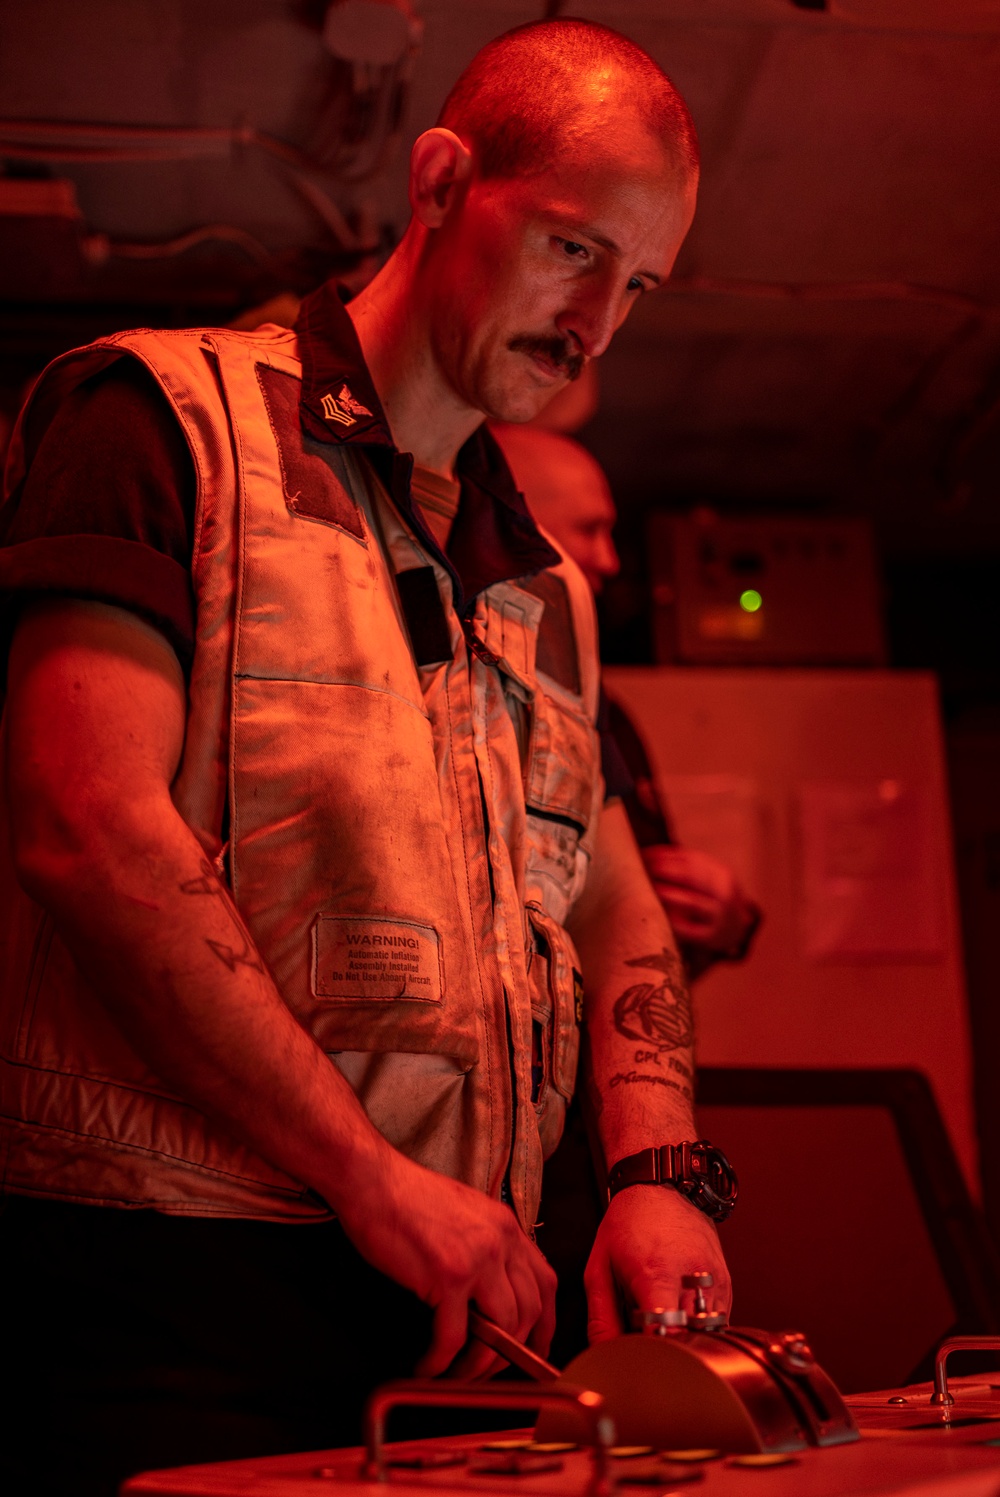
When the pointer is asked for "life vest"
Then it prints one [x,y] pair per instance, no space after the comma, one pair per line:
[404,841]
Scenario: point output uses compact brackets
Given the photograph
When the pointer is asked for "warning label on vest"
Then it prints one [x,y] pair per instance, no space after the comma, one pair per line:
[368,960]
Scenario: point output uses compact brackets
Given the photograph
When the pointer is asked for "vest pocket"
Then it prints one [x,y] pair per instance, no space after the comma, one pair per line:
[562,754]
[560,779]
[556,991]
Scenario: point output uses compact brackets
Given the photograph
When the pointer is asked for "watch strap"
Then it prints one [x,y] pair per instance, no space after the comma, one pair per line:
[653,1166]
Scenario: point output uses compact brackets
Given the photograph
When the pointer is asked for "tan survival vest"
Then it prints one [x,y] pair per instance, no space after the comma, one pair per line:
[403,841]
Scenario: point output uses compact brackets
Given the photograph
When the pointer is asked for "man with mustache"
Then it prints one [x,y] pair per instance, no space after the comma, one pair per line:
[305,805]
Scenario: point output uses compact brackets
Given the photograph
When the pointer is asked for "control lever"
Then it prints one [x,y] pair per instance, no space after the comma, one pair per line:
[514,1351]
[650,1322]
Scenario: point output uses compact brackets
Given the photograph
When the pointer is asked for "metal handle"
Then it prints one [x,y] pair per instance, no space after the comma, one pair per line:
[512,1350]
[427,1394]
[941,1396]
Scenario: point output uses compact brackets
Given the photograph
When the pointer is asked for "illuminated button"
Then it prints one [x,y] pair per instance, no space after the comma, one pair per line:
[676,1472]
[552,1447]
[750,600]
[767,1458]
[691,1455]
[627,1452]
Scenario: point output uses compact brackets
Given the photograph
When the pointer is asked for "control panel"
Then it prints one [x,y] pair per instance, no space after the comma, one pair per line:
[771,590]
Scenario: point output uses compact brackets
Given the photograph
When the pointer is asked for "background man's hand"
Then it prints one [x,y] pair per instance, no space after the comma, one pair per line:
[649,1239]
[452,1246]
[710,914]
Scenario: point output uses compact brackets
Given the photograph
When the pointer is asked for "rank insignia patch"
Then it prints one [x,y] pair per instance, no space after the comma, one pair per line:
[343,408]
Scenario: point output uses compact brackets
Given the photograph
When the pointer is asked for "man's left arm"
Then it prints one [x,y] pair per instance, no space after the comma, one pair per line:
[639,1079]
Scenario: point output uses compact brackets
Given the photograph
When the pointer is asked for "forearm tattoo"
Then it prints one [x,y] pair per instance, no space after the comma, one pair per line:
[229,956]
[658,1015]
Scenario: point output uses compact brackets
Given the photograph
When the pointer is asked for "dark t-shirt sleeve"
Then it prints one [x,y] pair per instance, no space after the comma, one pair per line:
[106,510]
[643,806]
[617,780]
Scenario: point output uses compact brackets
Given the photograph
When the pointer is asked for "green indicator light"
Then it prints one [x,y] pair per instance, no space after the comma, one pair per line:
[750,600]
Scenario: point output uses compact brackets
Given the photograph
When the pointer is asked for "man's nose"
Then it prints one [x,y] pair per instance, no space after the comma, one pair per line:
[593,318]
[609,561]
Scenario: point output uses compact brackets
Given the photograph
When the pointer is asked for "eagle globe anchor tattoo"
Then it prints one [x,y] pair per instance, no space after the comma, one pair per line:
[657,1014]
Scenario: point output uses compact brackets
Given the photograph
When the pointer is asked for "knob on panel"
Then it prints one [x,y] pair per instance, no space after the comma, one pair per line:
[702,1318]
[792,1350]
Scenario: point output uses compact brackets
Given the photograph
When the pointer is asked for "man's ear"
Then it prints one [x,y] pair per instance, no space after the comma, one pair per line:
[439,166]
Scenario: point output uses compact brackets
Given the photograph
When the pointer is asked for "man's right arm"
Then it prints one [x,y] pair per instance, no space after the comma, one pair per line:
[94,731]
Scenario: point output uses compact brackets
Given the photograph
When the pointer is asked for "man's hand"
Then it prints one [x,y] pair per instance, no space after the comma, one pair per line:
[649,1239]
[454,1246]
[638,1075]
[710,914]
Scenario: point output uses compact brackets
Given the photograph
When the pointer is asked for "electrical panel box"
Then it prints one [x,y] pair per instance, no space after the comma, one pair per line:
[773,590]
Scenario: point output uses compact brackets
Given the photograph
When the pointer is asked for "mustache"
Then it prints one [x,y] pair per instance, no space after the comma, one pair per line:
[559,351]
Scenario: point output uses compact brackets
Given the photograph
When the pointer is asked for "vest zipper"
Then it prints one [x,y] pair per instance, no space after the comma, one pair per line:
[486,655]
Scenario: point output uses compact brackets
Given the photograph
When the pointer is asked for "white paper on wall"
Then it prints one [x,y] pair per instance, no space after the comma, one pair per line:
[718,814]
[872,883]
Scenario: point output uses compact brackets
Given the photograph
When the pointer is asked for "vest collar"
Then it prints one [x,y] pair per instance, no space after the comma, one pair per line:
[494,538]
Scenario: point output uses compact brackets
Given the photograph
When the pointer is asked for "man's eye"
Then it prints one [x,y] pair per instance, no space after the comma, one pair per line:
[635,284]
[570,247]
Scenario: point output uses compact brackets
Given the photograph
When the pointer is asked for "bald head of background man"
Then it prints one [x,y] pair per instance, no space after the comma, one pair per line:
[568,493]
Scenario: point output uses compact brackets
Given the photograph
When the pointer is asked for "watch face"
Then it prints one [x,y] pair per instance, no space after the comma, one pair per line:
[714,1183]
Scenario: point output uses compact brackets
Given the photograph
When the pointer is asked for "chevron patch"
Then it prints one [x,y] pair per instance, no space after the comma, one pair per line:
[343,408]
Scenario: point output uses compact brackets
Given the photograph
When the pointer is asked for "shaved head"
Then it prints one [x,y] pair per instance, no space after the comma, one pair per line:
[555,192]
[552,87]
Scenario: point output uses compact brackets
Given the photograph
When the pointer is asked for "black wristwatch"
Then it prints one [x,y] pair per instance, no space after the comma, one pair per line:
[698,1170]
